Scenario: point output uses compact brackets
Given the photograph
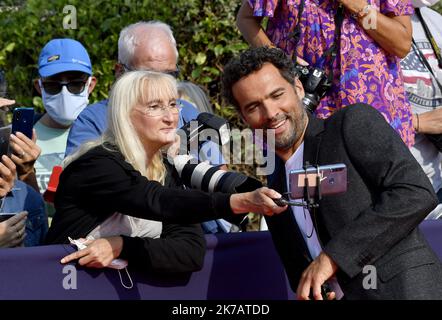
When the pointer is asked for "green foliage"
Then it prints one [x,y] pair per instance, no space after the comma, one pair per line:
[205,32]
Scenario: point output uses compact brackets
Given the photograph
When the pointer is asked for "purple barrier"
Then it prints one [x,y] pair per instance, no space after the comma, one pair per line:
[242,266]
[237,266]
[432,229]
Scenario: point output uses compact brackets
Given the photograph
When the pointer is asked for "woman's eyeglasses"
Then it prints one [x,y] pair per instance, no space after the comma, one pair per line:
[156,110]
[54,87]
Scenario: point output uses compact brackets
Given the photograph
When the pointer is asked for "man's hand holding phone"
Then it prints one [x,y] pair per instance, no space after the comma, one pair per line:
[25,152]
[12,230]
[7,175]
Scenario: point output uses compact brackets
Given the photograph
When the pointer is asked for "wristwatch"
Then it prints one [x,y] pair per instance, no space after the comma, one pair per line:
[363,12]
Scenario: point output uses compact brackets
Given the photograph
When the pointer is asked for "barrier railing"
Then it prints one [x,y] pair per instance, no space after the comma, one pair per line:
[240,266]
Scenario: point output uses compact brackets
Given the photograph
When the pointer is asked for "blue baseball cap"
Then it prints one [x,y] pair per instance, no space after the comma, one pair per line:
[61,55]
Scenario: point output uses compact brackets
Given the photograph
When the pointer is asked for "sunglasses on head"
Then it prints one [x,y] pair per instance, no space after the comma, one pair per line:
[73,86]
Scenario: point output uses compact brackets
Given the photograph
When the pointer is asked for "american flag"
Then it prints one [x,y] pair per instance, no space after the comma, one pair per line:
[413,68]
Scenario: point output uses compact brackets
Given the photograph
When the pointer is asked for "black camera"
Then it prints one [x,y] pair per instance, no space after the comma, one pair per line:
[316,84]
[206,127]
[202,175]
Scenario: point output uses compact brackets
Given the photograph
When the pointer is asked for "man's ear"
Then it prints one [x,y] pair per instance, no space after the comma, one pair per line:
[37,86]
[299,88]
[92,84]
[118,69]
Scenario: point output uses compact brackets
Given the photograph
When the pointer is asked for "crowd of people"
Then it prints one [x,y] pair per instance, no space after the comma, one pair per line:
[378,113]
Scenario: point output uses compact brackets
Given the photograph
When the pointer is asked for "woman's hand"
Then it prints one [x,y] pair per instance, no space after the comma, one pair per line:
[12,231]
[258,201]
[7,175]
[98,254]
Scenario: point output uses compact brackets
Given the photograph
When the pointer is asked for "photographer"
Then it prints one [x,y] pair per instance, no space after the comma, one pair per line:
[123,173]
[358,47]
[374,223]
[142,46]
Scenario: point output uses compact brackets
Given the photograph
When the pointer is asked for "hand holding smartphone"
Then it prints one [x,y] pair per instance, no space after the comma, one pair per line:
[6,216]
[5,133]
[332,179]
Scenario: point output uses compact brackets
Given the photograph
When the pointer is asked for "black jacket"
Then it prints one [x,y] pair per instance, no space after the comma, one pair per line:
[375,222]
[100,183]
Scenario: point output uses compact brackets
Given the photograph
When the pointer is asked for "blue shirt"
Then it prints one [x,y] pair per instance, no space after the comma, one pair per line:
[24,198]
[92,122]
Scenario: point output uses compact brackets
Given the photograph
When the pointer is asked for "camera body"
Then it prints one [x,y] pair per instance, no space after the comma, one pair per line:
[316,84]
[202,175]
[206,127]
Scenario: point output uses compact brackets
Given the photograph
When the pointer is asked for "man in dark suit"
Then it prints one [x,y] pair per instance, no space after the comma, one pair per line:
[373,226]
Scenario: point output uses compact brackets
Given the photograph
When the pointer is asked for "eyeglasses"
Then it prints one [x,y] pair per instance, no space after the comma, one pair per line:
[54,87]
[156,109]
[174,73]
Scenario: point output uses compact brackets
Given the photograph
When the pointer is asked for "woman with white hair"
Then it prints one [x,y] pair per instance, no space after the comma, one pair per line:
[123,173]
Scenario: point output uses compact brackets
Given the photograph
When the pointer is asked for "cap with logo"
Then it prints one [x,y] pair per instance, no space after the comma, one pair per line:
[61,55]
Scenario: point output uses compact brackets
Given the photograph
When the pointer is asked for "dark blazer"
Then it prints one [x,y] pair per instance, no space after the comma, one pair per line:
[375,221]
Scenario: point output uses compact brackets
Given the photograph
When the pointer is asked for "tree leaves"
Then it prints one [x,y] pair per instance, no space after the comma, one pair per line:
[205,31]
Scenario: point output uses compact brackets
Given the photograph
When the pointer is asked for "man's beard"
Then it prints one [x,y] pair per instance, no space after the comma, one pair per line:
[294,131]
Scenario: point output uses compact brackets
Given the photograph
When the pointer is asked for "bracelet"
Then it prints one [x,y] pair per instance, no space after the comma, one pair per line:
[363,12]
[417,122]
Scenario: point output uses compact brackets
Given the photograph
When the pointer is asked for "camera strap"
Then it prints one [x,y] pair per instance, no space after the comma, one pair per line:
[297,31]
[333,50]
[430,37]
[433,45]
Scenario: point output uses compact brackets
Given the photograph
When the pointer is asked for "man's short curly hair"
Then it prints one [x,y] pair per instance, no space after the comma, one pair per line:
[253,60]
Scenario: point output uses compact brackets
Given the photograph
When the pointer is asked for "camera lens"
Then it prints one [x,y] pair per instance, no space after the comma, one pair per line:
[206,177]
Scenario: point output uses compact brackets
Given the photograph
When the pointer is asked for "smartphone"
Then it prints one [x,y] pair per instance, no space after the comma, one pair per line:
[23,121]
[5,133]
[332,179]
[6,216]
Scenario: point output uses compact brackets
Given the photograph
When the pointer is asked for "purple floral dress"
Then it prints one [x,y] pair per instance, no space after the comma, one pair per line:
[363,71]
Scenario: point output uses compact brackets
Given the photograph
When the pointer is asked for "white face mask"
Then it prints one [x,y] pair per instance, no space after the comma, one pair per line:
[424,3]
[64,107]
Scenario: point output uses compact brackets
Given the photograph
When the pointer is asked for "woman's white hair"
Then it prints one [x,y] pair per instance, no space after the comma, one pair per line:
[131,89]
[133,34]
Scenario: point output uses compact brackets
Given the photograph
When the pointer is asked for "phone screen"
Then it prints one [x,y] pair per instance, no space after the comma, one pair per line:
[332,179]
